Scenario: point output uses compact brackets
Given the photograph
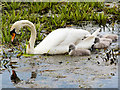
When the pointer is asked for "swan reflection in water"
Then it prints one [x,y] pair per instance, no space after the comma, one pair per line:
[15,79]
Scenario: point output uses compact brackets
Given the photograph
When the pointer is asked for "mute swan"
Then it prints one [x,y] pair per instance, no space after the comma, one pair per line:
[58,41]
[78,52]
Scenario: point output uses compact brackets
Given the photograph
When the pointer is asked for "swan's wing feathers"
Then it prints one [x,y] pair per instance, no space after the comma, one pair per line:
[53,39]
[86,43]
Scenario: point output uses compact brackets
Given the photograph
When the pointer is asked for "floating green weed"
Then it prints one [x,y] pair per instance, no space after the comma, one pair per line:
[27,55]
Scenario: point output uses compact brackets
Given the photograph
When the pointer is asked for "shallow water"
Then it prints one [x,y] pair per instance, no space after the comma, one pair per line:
[63,71]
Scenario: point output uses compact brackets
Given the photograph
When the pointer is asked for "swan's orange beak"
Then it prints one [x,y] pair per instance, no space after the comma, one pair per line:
[13,36]
[13,33]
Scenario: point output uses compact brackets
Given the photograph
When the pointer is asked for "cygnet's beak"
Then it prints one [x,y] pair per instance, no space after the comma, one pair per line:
[13,33]
[69,49]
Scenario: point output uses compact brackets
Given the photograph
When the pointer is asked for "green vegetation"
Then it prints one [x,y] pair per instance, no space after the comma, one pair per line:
[49,16]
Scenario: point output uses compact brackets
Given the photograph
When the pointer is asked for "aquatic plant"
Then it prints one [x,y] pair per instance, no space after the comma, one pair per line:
[53,15]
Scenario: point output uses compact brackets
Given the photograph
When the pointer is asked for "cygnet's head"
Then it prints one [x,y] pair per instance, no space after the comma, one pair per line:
[97,40]
[78,52]
[71,47]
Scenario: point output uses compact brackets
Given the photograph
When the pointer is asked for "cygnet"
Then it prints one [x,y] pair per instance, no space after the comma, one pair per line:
[78,52]
[103,43]
[114,37]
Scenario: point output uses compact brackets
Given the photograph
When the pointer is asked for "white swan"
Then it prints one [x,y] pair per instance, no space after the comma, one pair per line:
[58,41]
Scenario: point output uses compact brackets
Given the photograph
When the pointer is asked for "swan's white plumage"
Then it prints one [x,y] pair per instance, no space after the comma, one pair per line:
[58,41]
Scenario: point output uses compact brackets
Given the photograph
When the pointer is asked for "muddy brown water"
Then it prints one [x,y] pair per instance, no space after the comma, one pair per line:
[63,71]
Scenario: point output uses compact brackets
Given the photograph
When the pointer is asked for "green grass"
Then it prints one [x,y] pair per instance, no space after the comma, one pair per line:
[62,14]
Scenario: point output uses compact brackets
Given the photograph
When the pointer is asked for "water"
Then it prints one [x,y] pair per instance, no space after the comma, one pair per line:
[62,71]
[73,72]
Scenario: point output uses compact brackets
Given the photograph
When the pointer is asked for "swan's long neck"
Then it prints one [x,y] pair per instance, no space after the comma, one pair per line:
[33,37]
[30,47]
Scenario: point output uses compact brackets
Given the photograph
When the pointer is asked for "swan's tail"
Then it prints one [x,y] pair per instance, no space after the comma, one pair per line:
[96,32]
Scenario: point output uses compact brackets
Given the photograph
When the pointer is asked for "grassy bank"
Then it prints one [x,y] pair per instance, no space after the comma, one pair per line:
[49,16]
